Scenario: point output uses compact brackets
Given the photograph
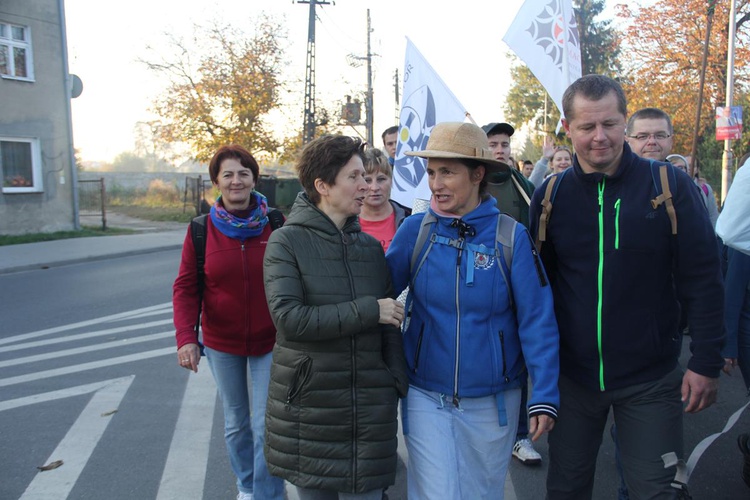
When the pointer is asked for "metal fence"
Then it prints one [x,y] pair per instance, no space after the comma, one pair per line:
[195,194]
[92,198]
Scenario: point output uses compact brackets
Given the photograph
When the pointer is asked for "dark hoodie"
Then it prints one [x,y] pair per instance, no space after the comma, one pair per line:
[617,273]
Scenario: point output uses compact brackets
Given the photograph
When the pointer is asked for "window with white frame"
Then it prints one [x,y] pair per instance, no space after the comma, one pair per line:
[15,52]
[20,165]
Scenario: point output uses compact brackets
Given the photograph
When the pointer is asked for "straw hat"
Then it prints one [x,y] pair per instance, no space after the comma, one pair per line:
[461,141]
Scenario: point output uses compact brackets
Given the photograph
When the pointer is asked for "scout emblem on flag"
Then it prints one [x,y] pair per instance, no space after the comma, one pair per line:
[427,101]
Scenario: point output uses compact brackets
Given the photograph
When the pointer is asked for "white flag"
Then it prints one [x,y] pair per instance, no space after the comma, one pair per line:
[544,35]
[427,101]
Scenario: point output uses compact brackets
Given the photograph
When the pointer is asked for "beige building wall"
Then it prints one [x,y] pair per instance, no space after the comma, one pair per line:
[39,108]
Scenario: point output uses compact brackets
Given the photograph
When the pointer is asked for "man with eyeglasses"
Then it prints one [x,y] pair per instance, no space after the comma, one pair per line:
[649,133]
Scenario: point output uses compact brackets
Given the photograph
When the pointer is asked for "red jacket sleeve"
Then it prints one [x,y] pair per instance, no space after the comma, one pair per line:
[185,300]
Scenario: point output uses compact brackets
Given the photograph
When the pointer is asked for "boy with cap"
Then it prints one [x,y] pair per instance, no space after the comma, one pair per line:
[512,191]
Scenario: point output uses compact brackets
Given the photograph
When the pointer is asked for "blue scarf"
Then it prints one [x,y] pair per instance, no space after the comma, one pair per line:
[236,227]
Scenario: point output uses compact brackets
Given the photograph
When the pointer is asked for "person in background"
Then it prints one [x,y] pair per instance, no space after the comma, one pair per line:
[380,216]
[338,365]
[237,329]
[542,167]
[511,191]
[649,134]
[562,159]
[616,281]
[509,187]
[707,193]
[737,317]
[527,168]
[390,141]
[465,341]
[554,160]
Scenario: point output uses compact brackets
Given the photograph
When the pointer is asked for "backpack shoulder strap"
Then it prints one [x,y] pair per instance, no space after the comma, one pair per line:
[425,229]
[505,238]
[275,218]
[664,193]
[549,198]
[198,233]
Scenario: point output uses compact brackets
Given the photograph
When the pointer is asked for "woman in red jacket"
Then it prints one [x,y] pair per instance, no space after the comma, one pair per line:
[237,329]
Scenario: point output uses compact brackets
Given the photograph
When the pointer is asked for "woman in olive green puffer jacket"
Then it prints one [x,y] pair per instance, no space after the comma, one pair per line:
[338,364]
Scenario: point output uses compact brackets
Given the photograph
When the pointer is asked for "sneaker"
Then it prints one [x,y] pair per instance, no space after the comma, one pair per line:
[244,496]
[524,451]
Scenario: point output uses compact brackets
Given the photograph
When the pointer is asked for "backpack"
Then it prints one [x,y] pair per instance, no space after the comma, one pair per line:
[198,233]
[504,238]
[664,196]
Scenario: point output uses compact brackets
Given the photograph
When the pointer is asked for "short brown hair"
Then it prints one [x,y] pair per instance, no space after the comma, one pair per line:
[593,88]
[375,161]
[238,153]
[649,113]
[323,158]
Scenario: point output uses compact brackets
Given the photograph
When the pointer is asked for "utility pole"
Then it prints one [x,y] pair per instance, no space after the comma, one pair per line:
[308,128]
[696,129]
[726,160]
[368,103]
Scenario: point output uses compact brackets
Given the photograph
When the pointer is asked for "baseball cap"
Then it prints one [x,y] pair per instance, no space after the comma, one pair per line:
[498,128]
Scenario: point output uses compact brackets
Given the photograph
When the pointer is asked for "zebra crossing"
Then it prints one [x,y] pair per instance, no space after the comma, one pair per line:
[107,343]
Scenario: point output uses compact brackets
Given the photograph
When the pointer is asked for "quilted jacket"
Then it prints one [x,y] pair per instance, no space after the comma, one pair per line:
[336,374]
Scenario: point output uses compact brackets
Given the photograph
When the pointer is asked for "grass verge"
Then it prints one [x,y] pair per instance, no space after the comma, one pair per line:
[168,214]
[85,232]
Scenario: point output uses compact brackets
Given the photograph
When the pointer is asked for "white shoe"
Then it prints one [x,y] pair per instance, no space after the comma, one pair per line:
[244,496]
[524,451]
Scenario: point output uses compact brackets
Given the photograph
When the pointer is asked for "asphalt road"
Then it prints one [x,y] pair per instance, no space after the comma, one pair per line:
[88,376]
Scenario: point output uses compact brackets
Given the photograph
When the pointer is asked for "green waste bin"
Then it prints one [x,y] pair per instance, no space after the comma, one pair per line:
[267,186]
[286,191]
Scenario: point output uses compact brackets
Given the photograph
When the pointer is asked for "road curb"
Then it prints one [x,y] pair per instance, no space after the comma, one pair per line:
[87,258]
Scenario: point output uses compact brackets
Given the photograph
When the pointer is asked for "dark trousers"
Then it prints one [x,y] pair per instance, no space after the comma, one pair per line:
[649,423]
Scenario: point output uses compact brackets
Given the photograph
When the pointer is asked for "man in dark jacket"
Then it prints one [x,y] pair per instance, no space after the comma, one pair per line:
[617,271]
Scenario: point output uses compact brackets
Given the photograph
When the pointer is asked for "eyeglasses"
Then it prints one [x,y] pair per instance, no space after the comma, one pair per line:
[659,136]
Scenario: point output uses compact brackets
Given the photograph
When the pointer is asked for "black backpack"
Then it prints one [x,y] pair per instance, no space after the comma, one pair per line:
[198,233]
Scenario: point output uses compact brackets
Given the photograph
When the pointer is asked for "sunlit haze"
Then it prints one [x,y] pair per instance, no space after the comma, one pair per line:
[462,41]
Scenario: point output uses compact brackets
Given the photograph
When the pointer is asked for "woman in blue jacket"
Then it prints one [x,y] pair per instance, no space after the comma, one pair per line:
[476,322]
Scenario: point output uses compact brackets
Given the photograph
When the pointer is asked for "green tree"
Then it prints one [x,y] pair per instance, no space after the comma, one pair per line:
[525,102]
[600,51]
[222,86]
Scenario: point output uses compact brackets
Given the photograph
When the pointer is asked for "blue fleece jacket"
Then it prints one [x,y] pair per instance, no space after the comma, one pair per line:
[617,273]
[463,339]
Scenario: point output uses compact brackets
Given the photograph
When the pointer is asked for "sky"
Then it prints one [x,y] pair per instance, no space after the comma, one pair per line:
[461,40]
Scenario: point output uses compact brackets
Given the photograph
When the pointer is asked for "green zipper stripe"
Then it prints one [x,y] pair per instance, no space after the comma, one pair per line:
[600,285]
[617,224]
